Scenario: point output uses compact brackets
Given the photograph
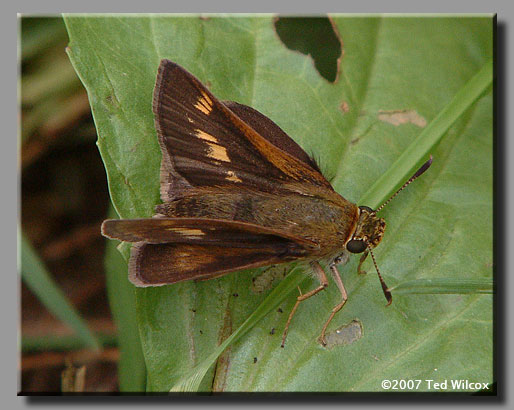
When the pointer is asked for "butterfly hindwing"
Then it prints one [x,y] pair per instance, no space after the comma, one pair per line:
[167,263]
[205,144]
[271,131]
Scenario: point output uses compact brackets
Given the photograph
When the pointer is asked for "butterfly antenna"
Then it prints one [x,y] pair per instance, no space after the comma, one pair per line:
[420,171]
[387,293]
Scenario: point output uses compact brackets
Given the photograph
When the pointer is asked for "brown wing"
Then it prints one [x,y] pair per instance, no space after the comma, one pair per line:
[205,144]
[170,250]
[271,131]
[204,231]
[163,264]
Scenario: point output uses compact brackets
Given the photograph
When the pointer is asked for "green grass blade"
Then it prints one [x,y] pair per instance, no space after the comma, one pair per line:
[121,293]
[444,286]
[421,147]
[38,279]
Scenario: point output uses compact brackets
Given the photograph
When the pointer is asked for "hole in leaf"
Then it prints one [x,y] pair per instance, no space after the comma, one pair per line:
[345,335]
[314,36]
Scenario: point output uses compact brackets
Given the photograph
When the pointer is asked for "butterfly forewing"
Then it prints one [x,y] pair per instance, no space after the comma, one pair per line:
[206,144]
[204,231]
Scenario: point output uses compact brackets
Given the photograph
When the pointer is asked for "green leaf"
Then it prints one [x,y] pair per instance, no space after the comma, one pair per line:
[40,282]
[191,382]
[400,79]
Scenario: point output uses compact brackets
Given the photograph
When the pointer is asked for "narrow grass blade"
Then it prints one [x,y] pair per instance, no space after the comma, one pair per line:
[37,278]
[444,286]
[121,293]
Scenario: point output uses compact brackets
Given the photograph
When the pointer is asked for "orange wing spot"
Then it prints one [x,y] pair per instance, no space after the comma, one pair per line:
[187,231]
[207,99]
[231,176]
[203,135]
[204,104]
[186,259]
[217,152]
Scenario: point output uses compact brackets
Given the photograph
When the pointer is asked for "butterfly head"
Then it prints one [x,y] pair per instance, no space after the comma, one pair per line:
[368,233]
[370,228]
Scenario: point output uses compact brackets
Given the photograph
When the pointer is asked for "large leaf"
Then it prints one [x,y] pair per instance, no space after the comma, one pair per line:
[397,75]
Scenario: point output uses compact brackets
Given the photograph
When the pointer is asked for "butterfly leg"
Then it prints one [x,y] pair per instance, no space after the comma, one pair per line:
[337,308]
[320,274]
[361,261]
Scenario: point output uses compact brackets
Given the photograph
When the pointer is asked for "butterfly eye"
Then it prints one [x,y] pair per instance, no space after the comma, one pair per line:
[356,246]
[366,208]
